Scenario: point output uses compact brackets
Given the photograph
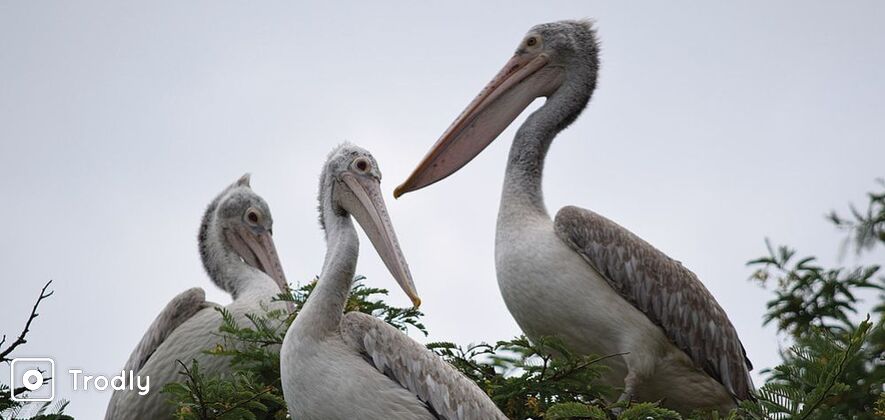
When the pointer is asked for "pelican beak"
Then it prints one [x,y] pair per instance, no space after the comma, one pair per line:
[371,213]
[496,106]
[259,251]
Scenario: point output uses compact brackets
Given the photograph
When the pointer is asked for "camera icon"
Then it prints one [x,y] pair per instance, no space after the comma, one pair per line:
[36,375]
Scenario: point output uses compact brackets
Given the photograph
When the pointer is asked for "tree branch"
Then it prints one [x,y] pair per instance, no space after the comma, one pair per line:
[21,337]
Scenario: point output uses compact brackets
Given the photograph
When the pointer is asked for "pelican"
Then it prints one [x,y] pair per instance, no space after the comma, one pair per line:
[345,366]
[239,255]
[580,276]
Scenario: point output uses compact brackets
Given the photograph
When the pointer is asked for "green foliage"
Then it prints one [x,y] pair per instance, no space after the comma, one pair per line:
[570,410]
[526,379]
[544,380]
[240,396]
[15,410]
[38,411]
[866,228]
[811,384]
[7,405]
[808,295]
[254,388]
[642,411]
[834,368]
[879,409]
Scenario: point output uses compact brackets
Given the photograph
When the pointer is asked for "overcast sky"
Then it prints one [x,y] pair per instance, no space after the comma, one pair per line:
[714,126]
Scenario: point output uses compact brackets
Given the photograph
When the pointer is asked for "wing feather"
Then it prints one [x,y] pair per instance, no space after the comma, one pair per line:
[669,294]
[177,311]
[448,393]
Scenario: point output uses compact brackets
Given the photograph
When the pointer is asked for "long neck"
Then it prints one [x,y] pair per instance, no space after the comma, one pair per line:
[322,313]
[226,269]
[525,165]
[523,195]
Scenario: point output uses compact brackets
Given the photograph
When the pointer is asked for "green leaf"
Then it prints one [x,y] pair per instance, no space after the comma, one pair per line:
[570,410]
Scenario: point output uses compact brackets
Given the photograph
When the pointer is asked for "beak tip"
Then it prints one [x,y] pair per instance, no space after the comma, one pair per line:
[399,191]
[416,302]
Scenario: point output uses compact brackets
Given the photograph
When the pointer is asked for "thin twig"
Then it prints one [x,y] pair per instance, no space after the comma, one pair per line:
[559,375]
[244,402]
[196,389]
[21,338]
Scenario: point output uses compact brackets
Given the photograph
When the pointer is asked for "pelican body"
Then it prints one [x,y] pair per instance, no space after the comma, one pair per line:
[239,256]
[347,366]
[579,276]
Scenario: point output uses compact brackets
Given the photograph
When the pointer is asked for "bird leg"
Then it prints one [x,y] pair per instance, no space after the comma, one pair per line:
[631,381]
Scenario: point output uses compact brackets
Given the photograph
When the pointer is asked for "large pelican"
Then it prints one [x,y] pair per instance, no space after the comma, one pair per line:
[239,255]
[355,366]
[580,276]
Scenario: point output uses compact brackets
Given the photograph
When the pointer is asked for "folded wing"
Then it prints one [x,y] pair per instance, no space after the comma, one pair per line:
[669,294]
[445,390]
[177,311]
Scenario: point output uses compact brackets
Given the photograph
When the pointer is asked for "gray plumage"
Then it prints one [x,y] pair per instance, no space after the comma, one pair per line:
[344,366]
[669,294]
[177,311]
[433,380]
[222,263]
[582,278]
[188,325]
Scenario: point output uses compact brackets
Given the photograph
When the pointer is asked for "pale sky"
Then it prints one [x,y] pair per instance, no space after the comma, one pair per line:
[714,126]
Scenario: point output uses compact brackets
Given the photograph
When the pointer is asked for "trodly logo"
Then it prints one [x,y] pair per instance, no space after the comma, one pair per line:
[33,379]
[127,380]
[36,375]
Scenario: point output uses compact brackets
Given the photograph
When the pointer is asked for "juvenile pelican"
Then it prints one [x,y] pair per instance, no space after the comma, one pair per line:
[239,255]
[580,276]
[353,365]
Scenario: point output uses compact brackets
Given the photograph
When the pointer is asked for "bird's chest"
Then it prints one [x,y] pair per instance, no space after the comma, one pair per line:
[328,380]
[536,280]
[312,371]
[310,364]
[551,291]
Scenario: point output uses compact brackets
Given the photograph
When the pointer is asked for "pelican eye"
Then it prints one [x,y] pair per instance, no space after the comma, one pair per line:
[531,42]
[252,216]
[361,165]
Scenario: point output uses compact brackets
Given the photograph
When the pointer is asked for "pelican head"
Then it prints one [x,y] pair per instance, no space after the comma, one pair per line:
[236,235]
[350,184]
[556,60]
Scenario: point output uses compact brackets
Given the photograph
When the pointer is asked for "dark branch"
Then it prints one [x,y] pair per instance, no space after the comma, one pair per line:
[21,337]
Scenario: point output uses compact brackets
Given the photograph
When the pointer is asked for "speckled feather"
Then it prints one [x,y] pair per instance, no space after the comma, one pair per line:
[669,294]
[449,393]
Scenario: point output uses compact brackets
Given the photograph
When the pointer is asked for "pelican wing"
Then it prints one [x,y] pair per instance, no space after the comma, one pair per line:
[176,312]
[446,391]
[669,294]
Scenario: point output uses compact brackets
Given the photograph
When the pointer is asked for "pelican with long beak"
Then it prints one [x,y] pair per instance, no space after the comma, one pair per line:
[580,276]
[239,255]
[355,366]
